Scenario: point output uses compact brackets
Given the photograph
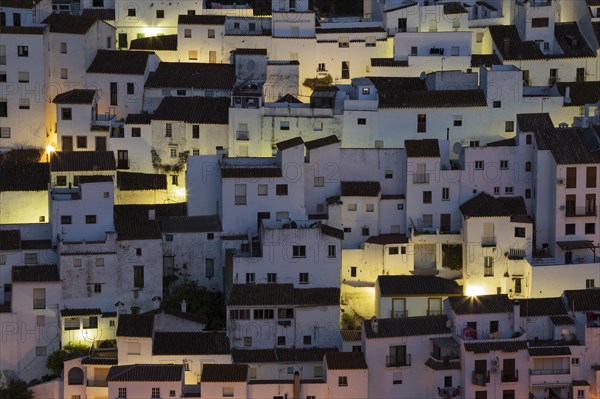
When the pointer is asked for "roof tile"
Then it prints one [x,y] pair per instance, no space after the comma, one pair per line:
[360,188]
[35,274]
[76,96]
[67,23]
[407,326]
[481,304]
[120,62]
[128,181]
[190,343]
[224,373]
[155,43]
[282,294]
[425,148]
[204,110]
[78,161]
[489,346]
[417,286]
[192,75]
[146,373]
[24,177]
[135,325]
[345,361]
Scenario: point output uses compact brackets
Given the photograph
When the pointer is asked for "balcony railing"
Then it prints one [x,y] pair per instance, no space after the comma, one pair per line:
[488,241]
[395,314]
[480,378]
[242,135]
[516,254]
[421,178]
[549,371]
[432,312]
[397,361]
[510,377]
[573,211]
[97,383]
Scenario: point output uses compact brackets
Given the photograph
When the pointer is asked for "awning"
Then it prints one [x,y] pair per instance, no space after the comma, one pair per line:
[580,244]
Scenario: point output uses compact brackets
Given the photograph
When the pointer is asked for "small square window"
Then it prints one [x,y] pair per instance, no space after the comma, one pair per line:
[211,33]
[65,219]
[210,236]
[281,189]
[81,142]
[331,251]
[130,88]
[281,340]
[352,207]
[400,207]
[527,193]
[99,262]
[509,126]
[496,190]
[389,174]
[319,181]
[303,278]
[299,251]
[247,342]
[361,121]
[366,91]
[365,231]
[40,351]
[23,51]
[131,12]
[136,132]
[497,104]
[23,103]
[173,152]
[393,250]
[520,232]
[263,189]
[160,14]
[504,164]
[187,33]
[427,197]
[90,219]
[509,190]
[284,125]
[66,114]
[307,340]
[168,237]
[347,230]
[193,55]
[370,208]
[181,92]
[458,121]
[342,381]
[569,229]
[195,131]
[138,251]
[590,228]
[63,47]
[479,165]
[23,77]
[353,271]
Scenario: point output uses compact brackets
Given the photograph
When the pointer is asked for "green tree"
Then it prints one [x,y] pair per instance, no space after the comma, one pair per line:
[56,360]
[202,303]
[16,389]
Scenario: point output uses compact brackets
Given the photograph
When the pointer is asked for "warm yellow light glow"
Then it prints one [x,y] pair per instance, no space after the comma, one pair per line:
[473,290]
[181,192]
[50,149]
[148,32]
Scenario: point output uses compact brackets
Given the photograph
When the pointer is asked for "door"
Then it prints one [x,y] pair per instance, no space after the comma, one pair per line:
[401,24]
[345,70]
[100,143]
[526,77]
[212,57]
[488,238]
[508,370]
[123,159]
[445,222]
[553,76]
[398,308]
[434,306]
[570,204]
[67,143]
[122,40]
[590,204]
[16,19]
[113,93]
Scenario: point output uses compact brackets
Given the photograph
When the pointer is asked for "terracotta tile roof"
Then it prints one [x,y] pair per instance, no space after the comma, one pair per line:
[289,99]
[486,5]
[503,143]
[35,274]
[487,60]
[80,312]
[22,30]
[387,239]
[282,294]
[413,93]
[128,181]
[138,119]
[350,335]
[104,14]
[204,110]
[120,62]
[408,326]
[322,142]
[146,373]
[67,23]
[224,373]
[360,188]
[567,145]
[21,156]
[192,75]
[190,343]
[24,177]
[388,62]
[441,365]
[485,205]
[100,361]
[135,325]
[534,122]
[536,307]
[580,383]
[28,4]
[581,93]
[293,142]
[400,7]
[368,29]
[78,161]
[155,43]
[201,20]
[517,49]
[36,244]
[345,361]
[583,300]
[571,41]
[191,224]
[393,196]
[489,346]
[425,148]
[562,321]
[10,240]
[109,314]
[179,314]
[76,96]
[482,304]
[250,172]
[276,355]
[250,51]
[550,351]
[332,231]
[417,286]
[132,222]
[454,8]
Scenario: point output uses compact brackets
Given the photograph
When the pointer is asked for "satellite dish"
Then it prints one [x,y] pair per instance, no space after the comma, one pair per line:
[422,75]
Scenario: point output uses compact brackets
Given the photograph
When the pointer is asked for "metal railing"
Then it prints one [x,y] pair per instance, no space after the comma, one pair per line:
[480,378]
[397,361]
[549,371]
[395,314]
[571,211]
[512,377]
[514,253]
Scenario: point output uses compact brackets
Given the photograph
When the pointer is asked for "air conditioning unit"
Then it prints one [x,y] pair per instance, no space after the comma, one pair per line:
[560,181]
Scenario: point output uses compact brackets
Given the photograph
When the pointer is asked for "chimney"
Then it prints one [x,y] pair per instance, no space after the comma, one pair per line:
[516,316]
[156,301]
[506,47]
[374,325]
[183,306]
[568,95]
[151,214]
[296,385]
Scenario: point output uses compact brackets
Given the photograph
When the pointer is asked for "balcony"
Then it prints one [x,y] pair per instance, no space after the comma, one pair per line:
[396,314]
[97,383]
[549,371]
[516,254]
[544,378]
[480,378]
[421,178]
[397,361]
[513,376]
[488,241]
[449,392]
[575,211]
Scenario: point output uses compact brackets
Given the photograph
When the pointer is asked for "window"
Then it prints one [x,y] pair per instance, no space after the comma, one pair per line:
[303,278]
[263,189]
[345,70]
[370,207]
[40,321]
[172,393]
[479,165]
[40,351]
[518,285]
[2,259]
[30,258]
[248,341]
[509,190]
[343,42]
[389,174]
[97,288]
[580,393]
[90,322]
[187,33]
[181,92]
[271,278]
[23,51]
[455,50]
[299,251]
[496,190]
[331,251]
[509,126]
[39,298]
[160,14]
[64,73]
[427,197]
[352,271]
[23,77]
[136,132]
[251,26]
[590,177]
[4,131]
[168,130]
[528,139]
[539,22]
[307,340]
[193,55]
[590,283]
[427,220]
[397,378]
[239,314]
[281,189]
[195,151]
[77,262]
[81,142]
[282,215]
[155,393]
[366,91]
[352,207]
[361,121]
[347,230]
[393,250]
[284,125]
[445,193]
[365,231]
[457,120]
[520,232]
[240,194]
[421,123]
[228,392]
[575,361]
[66,114]
[590,228]
[138,277]
[527,193]
[569,229]
[90,219]
[130,88]
[342,381]
[414,50]
[114,93]
[250,278]
[195,131]
[281,340]
[122,394]
[65,219]
[488,266]
[319,181]
[211,33]
[503,164]
[173,152]
[497,104]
